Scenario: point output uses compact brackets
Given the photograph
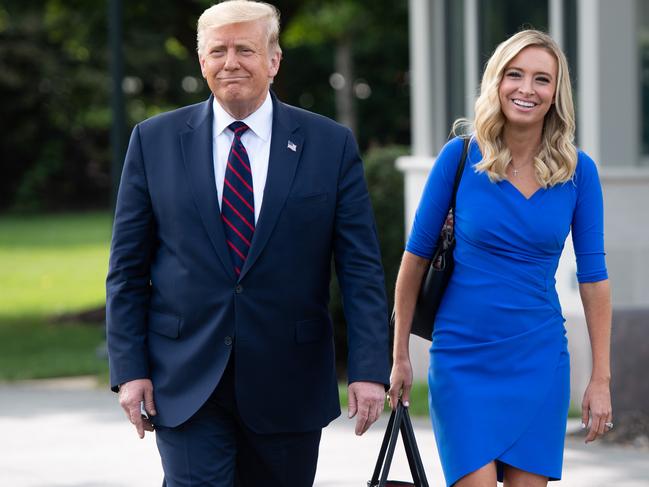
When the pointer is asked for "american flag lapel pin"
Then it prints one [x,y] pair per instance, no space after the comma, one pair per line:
[291,145]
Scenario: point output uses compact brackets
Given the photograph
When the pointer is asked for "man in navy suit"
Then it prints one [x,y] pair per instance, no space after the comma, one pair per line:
[228,215]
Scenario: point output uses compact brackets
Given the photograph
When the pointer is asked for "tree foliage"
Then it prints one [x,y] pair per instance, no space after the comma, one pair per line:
[318,23]
[44,75]
[385,184]
[55,82]
[378,33]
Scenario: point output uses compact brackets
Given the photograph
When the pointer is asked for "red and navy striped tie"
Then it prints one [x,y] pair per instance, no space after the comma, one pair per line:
[238,202]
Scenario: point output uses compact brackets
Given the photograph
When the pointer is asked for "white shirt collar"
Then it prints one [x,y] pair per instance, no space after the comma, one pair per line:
[260,121]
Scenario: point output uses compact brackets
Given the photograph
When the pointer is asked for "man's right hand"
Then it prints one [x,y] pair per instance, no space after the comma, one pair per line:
[131,394]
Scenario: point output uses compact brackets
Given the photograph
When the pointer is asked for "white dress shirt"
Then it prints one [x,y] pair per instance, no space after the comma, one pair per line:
[256,140]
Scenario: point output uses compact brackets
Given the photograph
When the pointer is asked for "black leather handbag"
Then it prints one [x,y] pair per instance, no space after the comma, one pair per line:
[399,421]
[441,267]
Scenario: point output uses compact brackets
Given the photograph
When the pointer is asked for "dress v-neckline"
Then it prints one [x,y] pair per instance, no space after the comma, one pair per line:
[520,194]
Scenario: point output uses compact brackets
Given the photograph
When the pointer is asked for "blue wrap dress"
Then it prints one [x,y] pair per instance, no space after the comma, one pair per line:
[499,379]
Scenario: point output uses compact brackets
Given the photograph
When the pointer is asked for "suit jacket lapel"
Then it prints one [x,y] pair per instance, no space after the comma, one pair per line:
[285,150]
[196,145]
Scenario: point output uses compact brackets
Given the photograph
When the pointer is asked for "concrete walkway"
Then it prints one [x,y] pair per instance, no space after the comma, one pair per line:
[71,434]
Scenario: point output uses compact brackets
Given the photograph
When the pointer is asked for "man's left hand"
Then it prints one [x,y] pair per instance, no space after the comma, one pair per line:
[366,401]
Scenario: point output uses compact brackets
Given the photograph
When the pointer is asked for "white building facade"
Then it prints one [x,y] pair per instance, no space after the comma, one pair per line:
[607,45]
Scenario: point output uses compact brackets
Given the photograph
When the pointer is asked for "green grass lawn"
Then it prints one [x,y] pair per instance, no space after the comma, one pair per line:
[51,264]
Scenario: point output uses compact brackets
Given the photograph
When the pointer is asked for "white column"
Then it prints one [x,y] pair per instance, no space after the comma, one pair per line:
[428,122]
[438,75]
[589,67]
[427,98]
[556,21]
[607,124]
[421,42]
[609,113]
[471,74]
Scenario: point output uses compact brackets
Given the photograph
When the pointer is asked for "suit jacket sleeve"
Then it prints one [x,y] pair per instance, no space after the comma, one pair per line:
[128,281]
[360,273]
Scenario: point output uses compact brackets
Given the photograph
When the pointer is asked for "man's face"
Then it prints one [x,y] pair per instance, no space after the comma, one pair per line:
[238,66]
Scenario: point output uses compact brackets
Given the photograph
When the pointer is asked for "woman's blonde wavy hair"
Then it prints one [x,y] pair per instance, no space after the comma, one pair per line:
[557,158]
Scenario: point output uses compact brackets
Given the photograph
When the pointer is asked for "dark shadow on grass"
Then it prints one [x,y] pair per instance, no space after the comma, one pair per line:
[31,348]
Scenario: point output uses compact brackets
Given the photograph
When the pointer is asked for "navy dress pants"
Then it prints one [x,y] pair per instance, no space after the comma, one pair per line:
[214,448]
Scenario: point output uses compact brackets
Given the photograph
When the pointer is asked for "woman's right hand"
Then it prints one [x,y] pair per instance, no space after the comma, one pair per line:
[400,382]
[411,272]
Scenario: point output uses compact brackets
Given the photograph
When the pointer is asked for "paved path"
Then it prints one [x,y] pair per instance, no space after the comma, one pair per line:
[69,434]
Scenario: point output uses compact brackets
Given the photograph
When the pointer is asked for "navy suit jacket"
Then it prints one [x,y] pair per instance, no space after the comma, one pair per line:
[176,311]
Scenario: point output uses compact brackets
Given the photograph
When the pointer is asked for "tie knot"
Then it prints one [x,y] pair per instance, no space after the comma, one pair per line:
[238,128]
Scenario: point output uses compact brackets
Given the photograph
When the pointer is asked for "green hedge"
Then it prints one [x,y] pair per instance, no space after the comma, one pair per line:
[385,184]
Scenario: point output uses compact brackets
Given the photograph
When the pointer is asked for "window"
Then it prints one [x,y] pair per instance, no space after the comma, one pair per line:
[499,19]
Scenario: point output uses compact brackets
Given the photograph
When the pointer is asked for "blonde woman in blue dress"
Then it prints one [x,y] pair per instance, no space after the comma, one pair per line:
[499,365]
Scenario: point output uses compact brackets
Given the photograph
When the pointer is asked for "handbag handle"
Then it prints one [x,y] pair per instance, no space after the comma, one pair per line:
[412,451]
[399,421]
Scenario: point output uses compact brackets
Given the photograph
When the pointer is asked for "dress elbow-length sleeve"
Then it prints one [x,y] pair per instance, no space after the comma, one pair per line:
[435,201]
[588,223]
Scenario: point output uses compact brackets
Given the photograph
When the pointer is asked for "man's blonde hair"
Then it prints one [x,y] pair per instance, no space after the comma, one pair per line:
[557,158]
[235,11]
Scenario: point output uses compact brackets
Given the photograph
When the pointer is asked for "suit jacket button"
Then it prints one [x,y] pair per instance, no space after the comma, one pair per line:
[228,341]
[238,289]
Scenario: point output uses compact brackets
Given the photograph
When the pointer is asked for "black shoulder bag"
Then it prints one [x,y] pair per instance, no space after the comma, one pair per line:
[399,421]
[441,267]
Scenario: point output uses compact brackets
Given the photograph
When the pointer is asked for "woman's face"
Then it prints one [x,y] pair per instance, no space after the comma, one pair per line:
[527,88]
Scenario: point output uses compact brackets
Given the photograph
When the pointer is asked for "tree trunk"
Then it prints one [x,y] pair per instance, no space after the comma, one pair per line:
[344,65]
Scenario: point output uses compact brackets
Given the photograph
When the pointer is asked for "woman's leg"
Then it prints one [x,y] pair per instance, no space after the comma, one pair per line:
[515,477]
[483,477]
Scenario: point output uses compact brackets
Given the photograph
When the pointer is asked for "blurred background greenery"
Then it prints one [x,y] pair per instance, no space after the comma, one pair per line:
[55,82]
[55,193]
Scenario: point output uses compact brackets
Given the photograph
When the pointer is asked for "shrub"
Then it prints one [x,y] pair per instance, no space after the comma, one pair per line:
[385,184]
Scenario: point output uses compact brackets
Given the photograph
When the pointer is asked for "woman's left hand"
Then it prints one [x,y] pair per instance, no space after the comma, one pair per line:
[596,405]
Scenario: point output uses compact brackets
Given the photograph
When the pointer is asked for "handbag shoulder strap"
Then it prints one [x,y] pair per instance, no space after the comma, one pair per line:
[460,171]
